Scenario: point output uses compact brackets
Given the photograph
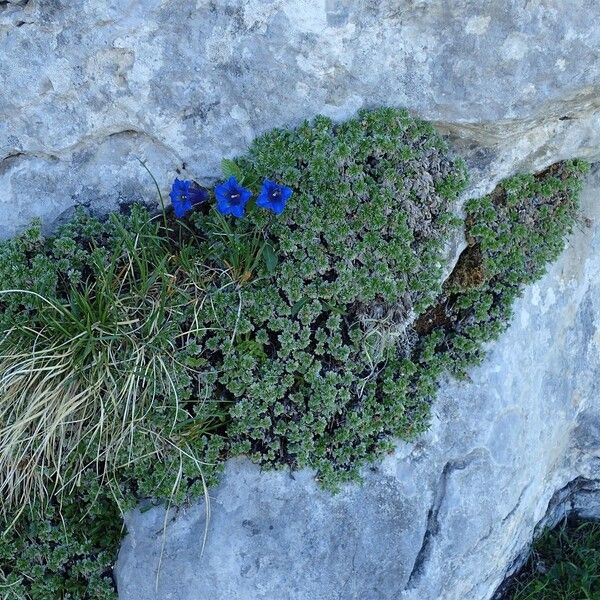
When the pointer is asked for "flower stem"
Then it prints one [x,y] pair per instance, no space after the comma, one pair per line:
[162,202]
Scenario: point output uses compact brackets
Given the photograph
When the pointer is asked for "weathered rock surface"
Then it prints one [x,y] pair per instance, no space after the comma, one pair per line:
[87,88]
[444,518]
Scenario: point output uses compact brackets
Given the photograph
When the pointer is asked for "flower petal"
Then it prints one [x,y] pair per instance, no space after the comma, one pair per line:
[273,196]
[197,195]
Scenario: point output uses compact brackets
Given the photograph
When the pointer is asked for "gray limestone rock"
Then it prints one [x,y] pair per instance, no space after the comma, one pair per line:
[444,518]
[87,87]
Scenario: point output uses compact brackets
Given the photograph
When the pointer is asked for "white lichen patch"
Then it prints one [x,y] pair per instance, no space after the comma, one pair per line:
[515,47]
[596,339]
[543,303]
[477,25]
[239,114]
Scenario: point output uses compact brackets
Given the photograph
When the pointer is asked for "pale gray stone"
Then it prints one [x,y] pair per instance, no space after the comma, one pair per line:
[444,518]
[87,87]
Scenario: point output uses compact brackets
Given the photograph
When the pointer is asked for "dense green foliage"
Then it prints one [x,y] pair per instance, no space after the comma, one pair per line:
[65,552]
[312,339]
[315,372]
[564,565]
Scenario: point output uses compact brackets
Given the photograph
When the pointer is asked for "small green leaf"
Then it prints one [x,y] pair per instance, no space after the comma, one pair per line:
[334,309]
[298,306]
[271,260]
[252,183]
[230,168]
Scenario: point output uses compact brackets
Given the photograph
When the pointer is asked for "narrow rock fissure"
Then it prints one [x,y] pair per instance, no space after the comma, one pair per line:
[432,528]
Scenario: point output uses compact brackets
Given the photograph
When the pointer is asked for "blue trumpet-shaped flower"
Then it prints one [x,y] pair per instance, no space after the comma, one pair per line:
[232,198]
[273,196]
[184,195]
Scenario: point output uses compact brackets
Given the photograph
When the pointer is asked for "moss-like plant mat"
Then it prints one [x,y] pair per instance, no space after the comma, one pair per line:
[564,564]
[137,353]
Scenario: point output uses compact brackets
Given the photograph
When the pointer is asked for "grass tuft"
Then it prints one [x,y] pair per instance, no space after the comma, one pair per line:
[80,379]
[564,565]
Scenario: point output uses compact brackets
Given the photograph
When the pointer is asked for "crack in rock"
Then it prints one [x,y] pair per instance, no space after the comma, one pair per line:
[433,526]
[516,506]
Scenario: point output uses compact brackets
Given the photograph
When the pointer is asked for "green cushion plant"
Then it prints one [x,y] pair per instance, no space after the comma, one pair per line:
[319,372]
[308,328]
[512,235]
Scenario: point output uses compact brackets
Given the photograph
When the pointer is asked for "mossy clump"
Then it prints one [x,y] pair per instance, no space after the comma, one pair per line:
[319,372]
[512,236]
[163,346]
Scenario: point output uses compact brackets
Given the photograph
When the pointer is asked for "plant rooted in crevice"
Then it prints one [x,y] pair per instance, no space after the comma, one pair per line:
[139,352]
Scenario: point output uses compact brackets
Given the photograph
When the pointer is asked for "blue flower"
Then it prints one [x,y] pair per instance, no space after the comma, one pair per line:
[184,196]
[273,196]
[232,198]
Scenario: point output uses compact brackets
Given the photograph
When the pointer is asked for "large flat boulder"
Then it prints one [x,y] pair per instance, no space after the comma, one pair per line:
[87,89]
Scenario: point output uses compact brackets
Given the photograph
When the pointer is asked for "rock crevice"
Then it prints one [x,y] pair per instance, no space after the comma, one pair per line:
[433,522]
